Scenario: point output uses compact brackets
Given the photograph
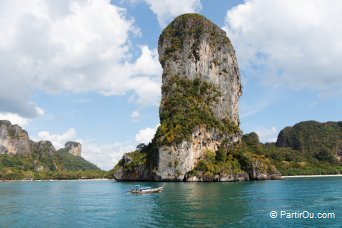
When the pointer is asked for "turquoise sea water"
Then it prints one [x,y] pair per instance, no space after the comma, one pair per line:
[107,204]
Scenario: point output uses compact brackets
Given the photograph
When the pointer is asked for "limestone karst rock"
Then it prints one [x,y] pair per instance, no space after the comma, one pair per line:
[13,139]
[43,147]
[73,148]
[192,47]
[200,92]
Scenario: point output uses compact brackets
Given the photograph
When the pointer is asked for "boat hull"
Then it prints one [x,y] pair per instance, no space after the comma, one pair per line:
[146,191]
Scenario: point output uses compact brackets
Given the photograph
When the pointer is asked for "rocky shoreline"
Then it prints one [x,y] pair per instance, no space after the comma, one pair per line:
[229,178]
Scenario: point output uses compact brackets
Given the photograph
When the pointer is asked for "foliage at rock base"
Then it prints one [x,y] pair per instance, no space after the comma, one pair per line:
[233,160]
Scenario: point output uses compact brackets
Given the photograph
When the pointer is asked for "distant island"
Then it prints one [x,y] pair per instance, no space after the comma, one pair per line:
[199,138]
[24,159]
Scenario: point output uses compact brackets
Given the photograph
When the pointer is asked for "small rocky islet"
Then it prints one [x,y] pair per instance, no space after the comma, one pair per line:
[199,117]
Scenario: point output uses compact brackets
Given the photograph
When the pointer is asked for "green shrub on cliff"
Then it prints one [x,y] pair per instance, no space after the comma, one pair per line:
[138,159]
[210,166]
[188,105]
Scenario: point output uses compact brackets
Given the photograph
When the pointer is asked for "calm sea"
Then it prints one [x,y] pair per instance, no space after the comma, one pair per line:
[107,204]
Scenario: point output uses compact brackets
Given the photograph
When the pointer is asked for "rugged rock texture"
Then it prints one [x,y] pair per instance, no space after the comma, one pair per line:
[133,168]
[73,148]
[13,139]
[261,170]
[43,147]
[176,160]
[193,47]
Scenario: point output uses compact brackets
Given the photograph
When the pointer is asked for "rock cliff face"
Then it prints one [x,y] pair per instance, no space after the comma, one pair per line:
[73,148]
[13,139]
[43,147]
[193,47]
[176,160]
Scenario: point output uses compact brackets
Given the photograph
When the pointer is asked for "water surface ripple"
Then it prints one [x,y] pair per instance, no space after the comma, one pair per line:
[108,204]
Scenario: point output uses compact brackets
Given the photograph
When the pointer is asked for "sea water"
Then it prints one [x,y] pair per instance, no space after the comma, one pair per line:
[279,203]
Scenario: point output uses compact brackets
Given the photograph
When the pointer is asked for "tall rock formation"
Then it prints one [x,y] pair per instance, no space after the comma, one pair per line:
[13,139]
[199,105]
[200,92]
[73,148]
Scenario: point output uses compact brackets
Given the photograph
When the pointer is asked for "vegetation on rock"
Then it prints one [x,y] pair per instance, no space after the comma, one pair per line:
[318,140]
[306,159]
[43,166]
[188,105]
[212,165]
[307,139]
[188,25]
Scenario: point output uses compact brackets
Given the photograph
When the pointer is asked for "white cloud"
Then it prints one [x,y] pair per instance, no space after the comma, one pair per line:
[40,111]
[267,134]
[145,135]
[167,10]
[295,44]
[58,140]
[72,46]
[15,119]
[20,120]
[147,63]
[135,115]
[105,156]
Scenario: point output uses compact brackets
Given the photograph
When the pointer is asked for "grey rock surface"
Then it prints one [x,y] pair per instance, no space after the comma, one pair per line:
[74,148]
[13,139]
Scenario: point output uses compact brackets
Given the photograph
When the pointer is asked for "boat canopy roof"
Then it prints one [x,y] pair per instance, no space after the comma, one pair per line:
[145,188]
[141,188]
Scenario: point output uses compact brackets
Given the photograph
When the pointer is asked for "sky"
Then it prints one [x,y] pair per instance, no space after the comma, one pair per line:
[88,71]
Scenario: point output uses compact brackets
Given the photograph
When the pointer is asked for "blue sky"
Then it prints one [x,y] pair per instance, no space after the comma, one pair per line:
[88,71]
